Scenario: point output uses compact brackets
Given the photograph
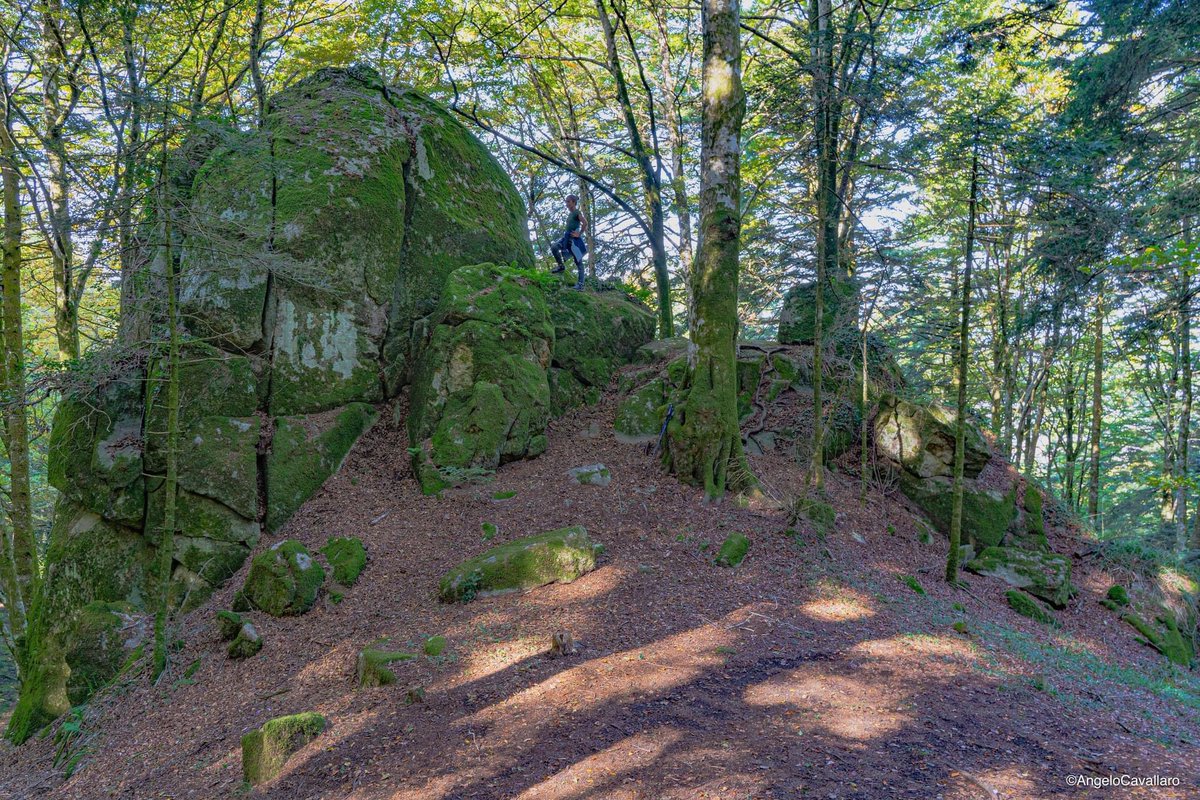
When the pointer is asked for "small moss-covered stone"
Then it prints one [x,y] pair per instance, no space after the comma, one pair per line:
[372,667]
[282,581]
[1118,595]
[554,556]
[1026,606]
[266,750]
[434,646]
[347,558]
[590,475]
[1045,575]
[733,550]
[228,624]
[818,512]
[246,643]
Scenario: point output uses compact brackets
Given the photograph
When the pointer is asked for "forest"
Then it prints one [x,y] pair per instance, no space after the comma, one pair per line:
[874,293]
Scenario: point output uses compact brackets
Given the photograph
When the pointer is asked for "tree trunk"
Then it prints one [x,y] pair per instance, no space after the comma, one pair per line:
[58,206]
[651,180]
[820,25]
[19,552]
[256,75]
[961,358]
[1185,412]
[1097,409]
[705,442]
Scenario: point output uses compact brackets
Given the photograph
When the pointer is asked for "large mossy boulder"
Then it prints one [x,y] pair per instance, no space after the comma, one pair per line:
[558,556]
[797,317]
[594,334]
[918,442]
[266,750]
[1044,575]
[283,581]
[311,252]
[920,439]
[481,395]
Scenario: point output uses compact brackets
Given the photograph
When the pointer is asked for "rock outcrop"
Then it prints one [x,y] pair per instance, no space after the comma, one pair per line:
[310,252]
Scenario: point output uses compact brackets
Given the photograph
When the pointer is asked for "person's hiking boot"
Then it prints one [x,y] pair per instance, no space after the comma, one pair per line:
[578,287]
[558,269]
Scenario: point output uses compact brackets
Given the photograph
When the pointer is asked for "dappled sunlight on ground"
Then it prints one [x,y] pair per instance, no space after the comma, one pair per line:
[837,610]
[585,776]
[855,709]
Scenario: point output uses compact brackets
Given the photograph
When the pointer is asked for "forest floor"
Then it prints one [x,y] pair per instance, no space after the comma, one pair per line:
[811,670]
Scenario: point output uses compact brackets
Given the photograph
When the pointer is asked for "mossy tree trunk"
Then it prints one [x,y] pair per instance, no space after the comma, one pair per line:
[705,441]
[961,358]
[825,120]
[19,553]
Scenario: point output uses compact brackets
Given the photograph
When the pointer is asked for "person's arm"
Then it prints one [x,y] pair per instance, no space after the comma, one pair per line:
[583,225]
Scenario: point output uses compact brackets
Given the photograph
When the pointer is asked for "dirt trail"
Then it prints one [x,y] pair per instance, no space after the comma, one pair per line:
[809,671]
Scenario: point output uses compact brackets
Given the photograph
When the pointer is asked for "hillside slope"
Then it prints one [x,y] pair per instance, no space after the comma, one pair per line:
[810,670]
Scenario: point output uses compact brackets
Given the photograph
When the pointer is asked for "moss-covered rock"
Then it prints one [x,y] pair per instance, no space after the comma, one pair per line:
[282,581]
[1044,575]
[101,640]
[373,666]
[95,456]
[266,750]
[987,514]
[434,646]
[1026,606]
[1118,594]
[347,558]
[558,556]
[305,452]
[310,251]
[733,550]
[920,439]
[481,394]
[640,414]
[228,624]
[594,334]
[590,475]
[246,643]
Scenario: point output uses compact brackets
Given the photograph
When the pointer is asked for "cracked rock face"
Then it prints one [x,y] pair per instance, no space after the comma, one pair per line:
[308,251]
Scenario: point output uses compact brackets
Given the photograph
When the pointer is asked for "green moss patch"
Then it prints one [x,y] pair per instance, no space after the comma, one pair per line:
[434,646]
[733,550]
[266,750]
[1026,606]
[373,666]
[228,625]
[558,556]
[282,581]
[1044,575]
[347,558]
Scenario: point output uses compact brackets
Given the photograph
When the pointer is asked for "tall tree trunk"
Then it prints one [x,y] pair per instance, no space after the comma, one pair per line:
[961,357]
[1093,505]
[19,553]
[256,74]
[676,142]
[820,26]
[650,175]
[1185,411]
[58,211]
[706,443]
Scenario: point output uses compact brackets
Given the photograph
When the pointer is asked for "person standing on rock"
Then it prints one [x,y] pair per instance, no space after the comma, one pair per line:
[572,240]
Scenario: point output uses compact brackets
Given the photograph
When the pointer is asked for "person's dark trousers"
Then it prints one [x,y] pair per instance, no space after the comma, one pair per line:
[569,244]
